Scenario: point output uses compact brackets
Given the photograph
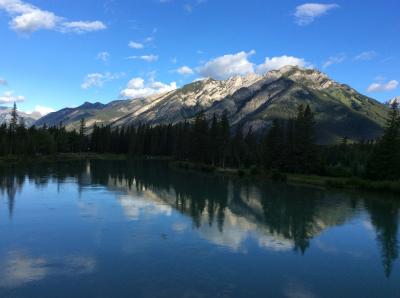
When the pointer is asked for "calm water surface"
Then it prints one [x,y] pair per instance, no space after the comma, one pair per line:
[120,229]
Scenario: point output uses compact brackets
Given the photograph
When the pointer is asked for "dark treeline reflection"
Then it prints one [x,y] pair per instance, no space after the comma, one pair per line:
[293,215]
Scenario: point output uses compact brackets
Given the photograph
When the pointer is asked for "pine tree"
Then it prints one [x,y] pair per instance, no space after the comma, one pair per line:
[82,142]
[385,160]
[224,138]
[305,153]
[14,118]
[273,146]
[82,127]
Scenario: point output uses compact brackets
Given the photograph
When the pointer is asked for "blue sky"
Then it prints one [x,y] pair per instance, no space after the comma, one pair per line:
[61,53]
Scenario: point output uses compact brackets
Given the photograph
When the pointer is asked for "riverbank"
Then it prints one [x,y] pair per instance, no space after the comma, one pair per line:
[254,173]
[314,180]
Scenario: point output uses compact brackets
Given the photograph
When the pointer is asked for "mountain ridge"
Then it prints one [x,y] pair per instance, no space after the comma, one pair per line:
[250,101]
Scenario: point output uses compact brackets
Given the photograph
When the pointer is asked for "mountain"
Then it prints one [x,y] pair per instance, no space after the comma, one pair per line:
[251,101]
[29,119]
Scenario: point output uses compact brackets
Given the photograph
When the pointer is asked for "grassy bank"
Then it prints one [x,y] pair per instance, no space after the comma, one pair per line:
[314,180]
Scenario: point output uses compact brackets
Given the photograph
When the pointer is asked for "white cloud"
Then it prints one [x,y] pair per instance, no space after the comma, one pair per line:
[334,60]
[33,21]
[98,79]
[135,45]
[367,55]
[184,70]
[381,86]
[43,110]
[147,58]
[27,18]
[279,62]
[8,97]
[3,82]
[306,13]
[82,27]
[103,56]
[138,87]
[227,66]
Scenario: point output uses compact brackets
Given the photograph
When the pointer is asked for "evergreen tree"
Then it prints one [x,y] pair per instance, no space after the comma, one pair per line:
[82,140]
[385,160]
[273,146]
[14,118]
[224,139]
[305,153]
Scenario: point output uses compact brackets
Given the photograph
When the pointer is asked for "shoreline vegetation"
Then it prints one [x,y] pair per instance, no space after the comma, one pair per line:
[351,183]
[285,151]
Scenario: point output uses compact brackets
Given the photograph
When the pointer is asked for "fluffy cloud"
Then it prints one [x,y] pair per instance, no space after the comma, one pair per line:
[34,20]
[135,45]
[98,79]
[227,66]
[381,86]
[43,110]
[103,56]
[82,27]
[367,55]
[138,87]
[184,70]
[3,82]
[279,62]
[334,60]
[147,58]
[27,18]
[306,13]
[8,97]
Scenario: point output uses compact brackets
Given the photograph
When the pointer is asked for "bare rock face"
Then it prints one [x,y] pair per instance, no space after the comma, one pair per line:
[251,101]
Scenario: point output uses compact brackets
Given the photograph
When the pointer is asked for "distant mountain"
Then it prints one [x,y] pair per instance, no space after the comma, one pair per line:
[251,101]
[29,119]
[70,116]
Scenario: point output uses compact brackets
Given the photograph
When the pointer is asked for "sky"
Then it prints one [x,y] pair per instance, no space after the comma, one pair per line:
[56,54]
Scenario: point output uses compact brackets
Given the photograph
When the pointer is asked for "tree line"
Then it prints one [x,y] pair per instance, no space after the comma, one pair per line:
[287,146]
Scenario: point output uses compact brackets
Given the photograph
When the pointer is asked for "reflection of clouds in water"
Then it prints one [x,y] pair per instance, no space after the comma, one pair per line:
[368,226]
[135,206]
[19,268]
[237,229]
[179,227]
[275,243]
[87,209]
[296,289]
[330,249]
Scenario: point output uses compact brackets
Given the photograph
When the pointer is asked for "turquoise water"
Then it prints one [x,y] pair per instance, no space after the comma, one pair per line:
[130,229]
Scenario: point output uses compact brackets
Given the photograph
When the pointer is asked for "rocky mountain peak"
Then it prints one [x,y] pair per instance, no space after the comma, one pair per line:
[310,77]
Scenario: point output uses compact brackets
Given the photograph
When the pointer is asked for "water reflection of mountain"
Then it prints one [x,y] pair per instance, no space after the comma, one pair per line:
[224,210]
